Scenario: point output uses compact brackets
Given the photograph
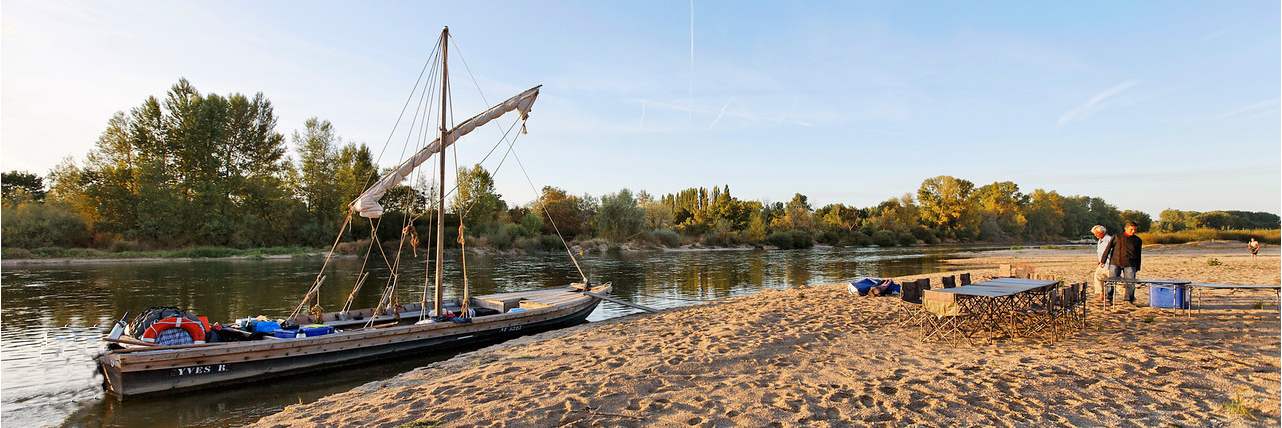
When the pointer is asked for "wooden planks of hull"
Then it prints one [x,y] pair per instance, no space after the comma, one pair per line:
[151,371]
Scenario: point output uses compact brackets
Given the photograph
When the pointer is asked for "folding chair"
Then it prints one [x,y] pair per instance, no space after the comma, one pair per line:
[949,281]
[964,280]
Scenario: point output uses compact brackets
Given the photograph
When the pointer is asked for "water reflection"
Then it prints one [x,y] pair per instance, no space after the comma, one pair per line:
[53,316]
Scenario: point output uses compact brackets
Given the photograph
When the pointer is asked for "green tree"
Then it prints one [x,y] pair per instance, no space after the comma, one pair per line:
[1002,204]
[1143,222]
[619,217]
[564,212]
[476,199]
[17,185]
[945,205]
[317,186]
[1045,214]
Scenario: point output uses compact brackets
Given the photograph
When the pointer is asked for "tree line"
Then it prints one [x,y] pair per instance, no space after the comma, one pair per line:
[196,169]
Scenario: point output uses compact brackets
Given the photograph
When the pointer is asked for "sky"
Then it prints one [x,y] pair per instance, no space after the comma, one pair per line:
[1149,105]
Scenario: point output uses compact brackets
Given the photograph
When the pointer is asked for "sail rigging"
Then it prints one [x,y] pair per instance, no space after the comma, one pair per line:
[367,205]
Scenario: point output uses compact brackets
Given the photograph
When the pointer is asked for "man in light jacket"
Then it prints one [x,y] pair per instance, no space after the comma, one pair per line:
[1103,256]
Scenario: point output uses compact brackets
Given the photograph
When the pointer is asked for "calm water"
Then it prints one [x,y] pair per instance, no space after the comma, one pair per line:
[53,316]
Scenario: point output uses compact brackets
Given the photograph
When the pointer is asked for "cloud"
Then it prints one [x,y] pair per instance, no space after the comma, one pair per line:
[1251,109]
[1095,103]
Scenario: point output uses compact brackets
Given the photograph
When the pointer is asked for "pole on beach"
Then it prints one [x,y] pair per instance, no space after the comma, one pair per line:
[621,302]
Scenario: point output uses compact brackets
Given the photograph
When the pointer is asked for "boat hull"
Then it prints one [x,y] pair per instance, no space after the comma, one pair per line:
[124,378]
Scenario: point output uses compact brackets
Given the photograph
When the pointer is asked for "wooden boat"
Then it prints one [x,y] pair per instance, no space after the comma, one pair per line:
[133,366]
[148,370]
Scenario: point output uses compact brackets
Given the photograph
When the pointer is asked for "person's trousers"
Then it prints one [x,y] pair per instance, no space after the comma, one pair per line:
[1124,272]
[1098,277]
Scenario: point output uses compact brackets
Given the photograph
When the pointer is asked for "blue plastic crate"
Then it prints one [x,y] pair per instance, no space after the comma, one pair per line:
[1165,296]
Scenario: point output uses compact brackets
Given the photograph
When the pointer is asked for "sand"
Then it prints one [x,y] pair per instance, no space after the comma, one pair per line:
[818,356]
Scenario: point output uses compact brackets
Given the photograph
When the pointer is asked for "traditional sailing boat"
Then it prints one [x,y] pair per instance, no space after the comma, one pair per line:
[136,362]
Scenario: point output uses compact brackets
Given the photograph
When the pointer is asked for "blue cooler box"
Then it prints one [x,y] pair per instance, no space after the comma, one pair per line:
[1165,296]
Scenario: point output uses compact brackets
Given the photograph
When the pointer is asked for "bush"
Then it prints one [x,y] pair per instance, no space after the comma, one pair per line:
[721,238]
[925,235]
[790,239]
[15,253]
[122,245]
[540,243]
[906,239]
[829,237]
[666,237]
[1268,236]
[858,238]
[884,238]
[203,252]
[503,236]
[37,224]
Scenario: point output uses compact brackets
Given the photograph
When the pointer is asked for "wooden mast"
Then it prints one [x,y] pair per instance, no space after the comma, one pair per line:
[440,215]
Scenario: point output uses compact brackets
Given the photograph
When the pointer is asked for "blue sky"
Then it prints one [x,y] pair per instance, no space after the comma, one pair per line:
[1149,105]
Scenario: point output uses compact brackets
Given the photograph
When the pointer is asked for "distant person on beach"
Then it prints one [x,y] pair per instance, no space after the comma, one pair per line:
[1103,256]
[1126,258]
[1254,246]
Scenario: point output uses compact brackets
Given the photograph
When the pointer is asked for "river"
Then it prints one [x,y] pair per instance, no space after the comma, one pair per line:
[54,315]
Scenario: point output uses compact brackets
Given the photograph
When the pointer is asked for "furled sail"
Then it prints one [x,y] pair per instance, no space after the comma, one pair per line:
[367,203]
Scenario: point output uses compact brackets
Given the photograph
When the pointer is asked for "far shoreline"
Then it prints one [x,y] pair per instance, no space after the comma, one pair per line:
[996,250]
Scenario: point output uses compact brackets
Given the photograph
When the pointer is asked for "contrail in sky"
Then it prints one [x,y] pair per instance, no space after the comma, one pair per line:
[642,125]
[721,113]
[690,93]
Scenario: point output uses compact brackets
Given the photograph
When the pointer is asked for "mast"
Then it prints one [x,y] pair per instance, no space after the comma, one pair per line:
[440,217]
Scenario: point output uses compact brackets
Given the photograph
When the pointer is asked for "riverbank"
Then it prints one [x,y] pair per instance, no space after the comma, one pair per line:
[78,256]
[85,256]
[819,356]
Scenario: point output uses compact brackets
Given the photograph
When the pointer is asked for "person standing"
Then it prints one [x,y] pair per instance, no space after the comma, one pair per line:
[1254,247]
[1103,256]
[1126,258]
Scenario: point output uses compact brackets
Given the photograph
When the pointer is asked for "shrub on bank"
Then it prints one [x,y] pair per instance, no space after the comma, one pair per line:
[790,239]
[884,238]
[1267,236]
[665,237]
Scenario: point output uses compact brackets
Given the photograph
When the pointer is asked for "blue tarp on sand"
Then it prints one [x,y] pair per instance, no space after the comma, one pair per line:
[861,286]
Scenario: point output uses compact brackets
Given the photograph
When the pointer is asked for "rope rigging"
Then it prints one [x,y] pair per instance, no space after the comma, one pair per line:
[435,70]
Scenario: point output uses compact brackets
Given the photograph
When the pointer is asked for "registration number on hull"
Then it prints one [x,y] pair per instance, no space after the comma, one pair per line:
[200,370]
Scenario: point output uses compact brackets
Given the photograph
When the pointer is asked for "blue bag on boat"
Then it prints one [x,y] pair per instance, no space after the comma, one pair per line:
[266,327]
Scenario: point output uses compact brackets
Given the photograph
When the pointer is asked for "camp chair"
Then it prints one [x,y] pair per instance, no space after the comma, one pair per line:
[911,308]
[964,280]
[924,283]
[949,281]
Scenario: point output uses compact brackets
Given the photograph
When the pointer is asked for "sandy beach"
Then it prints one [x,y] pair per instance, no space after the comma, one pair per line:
[818,356]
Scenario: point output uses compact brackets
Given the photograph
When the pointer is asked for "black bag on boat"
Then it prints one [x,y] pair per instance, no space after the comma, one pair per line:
[148,317]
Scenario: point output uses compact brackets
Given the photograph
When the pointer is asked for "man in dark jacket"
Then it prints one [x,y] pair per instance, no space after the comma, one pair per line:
[1126,258]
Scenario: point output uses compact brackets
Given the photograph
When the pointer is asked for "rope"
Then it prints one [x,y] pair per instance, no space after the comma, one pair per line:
[518,161]
[550,219]
[361,275]
[321,275]
[431,59]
